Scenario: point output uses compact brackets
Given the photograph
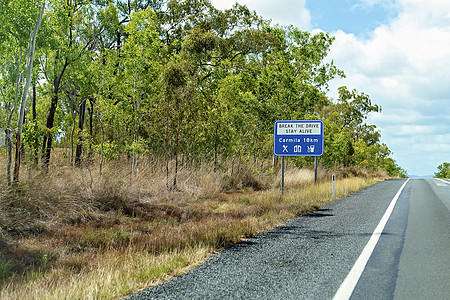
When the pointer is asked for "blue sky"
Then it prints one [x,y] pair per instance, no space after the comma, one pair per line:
[348,15]
[397,52]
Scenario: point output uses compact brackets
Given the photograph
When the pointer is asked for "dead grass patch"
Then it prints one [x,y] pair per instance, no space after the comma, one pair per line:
[107,275]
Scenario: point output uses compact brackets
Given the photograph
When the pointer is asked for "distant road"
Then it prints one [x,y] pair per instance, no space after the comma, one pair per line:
[315,256]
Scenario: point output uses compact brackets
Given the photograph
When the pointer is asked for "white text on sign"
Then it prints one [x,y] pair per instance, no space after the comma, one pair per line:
[298,128]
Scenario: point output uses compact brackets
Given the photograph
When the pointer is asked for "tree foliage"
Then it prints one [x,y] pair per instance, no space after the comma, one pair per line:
[20,23]
[182,81]
[443,171]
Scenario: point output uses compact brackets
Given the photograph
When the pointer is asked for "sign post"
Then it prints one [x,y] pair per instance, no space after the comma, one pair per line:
[298,138]
[333,187]
[315,169]
[282,174]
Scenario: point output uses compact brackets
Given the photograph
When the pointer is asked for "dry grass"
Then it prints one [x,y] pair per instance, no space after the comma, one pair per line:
[76,233]
[107,275]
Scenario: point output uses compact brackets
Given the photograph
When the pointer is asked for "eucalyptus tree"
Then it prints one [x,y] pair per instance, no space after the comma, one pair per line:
[76,28]
[208,44]
[135,84]
[240,74]
[204,46]
[20,23]
[11,80]
[349,139]
[26,87]
[99,71]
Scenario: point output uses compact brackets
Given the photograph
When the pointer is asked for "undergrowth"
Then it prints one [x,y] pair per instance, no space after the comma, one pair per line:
[86,233]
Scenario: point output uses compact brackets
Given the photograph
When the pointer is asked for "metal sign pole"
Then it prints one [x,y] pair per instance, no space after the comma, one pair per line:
[315,169]
[334,187]
[282,175]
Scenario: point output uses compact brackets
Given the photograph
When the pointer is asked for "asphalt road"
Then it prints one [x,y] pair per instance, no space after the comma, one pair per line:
[312,256]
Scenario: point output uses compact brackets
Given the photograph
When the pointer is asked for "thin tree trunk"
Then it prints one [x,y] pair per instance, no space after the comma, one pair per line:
[177,142]
[91,124]
[48,137]
[91,118]
[33,109]
[72,133]
[81,117]
[17,159]
[166,146]
[8,141]
[103,140]
[8,131]
[216,141]
[26,87]
[176,159]
[18,156]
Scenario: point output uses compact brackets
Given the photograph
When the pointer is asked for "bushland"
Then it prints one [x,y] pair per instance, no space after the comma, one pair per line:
[86,232]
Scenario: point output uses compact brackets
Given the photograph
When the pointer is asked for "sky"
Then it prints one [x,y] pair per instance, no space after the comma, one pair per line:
[395,51]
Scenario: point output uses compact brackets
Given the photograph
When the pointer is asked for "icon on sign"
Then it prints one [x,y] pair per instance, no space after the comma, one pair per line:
[285,149]
[311,149]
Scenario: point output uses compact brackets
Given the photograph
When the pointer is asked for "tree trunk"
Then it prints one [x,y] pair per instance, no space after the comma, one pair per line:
[81,117]
[10,112]
[103,140]
[91,119]
[8,141]
[20,152]
[177,145]
[72,133]
[48,137]
[17,160]
[176,159]
[166,146]
[91,124]
[26,87]
[216,141]
[33,109]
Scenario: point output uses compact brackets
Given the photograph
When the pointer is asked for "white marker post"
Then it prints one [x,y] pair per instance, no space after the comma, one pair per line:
[334,186]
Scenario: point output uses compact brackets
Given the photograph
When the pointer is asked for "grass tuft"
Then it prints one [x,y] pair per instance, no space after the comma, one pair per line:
[5,269]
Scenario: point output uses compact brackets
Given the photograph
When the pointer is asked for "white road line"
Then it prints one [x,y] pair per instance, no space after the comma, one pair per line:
[445,181]
[346,289]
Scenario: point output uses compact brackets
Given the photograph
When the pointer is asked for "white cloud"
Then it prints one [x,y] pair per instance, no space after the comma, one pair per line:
[404,67]
[368,4]
[282,12]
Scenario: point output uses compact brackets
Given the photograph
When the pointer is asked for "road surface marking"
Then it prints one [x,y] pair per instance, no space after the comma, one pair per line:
[444,181]
[346,289]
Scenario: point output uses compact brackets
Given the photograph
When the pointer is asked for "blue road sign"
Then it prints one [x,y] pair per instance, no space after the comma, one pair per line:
[298,138]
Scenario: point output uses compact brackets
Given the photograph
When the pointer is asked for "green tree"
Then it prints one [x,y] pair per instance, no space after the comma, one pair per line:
[28,69]
[21,21]
[443,171]
[184,81]
[141,68]
[353,109]
[66,46]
